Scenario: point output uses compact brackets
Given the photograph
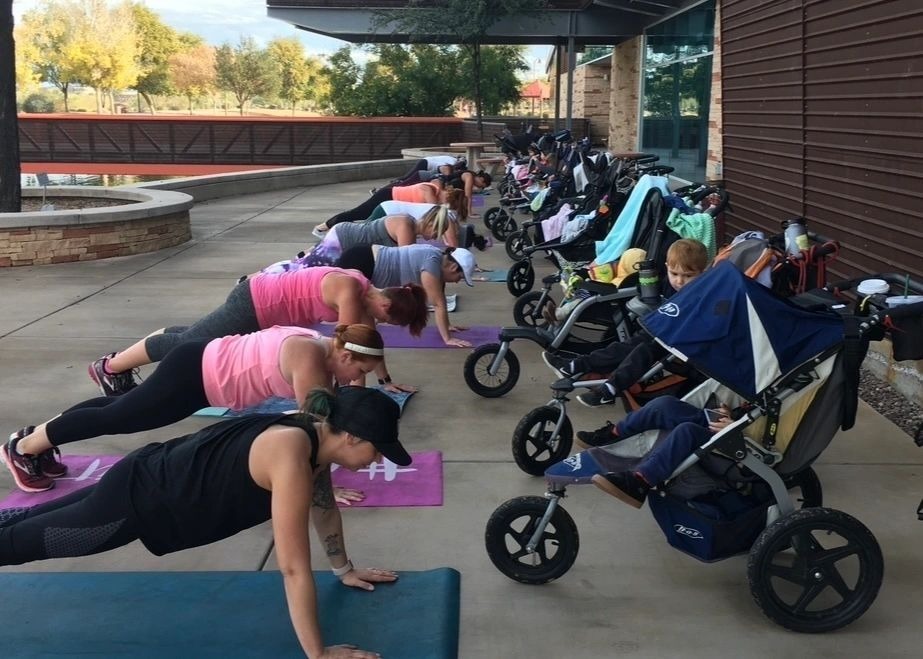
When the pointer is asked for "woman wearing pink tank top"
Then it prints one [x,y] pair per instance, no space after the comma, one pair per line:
[236,371]
[300,298]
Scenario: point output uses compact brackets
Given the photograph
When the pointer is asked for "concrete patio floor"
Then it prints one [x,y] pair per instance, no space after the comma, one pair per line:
[629,594]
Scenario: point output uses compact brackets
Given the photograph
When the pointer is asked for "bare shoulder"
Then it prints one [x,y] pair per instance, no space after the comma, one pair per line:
[279,447]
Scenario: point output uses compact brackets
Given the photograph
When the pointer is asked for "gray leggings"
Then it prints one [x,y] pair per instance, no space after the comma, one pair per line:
[236,316]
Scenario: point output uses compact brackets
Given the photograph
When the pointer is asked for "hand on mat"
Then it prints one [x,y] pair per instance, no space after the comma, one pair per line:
[333,651]
[363,577]
[397,387]
[457,328]
[458,343]
[346,495]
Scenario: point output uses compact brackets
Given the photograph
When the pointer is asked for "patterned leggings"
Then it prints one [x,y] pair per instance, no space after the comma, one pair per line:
[89,521]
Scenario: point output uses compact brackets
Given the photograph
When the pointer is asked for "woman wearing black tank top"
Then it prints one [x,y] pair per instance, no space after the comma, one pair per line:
[175,495]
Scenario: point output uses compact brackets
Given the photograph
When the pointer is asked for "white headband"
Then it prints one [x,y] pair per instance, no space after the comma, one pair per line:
[365,350]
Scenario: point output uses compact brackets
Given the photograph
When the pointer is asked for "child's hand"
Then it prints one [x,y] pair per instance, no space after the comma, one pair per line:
[723,421]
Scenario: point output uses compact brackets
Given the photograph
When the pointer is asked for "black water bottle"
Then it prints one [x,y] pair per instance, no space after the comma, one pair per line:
[648,282]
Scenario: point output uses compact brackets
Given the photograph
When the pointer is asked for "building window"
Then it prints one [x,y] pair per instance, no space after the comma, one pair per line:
[677,90]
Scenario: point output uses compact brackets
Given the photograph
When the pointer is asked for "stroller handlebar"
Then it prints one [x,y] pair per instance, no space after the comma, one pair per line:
[892,278]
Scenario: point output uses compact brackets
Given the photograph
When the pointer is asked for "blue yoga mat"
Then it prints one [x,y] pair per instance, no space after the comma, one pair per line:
[277,405]
[220,614]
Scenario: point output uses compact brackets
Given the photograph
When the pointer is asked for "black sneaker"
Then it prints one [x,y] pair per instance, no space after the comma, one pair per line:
[597,396]
[624,486]
[372,191]
[599,437]
[561,365]
[111,384]
[26,470]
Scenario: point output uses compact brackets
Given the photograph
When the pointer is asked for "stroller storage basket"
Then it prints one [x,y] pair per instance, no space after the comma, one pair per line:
[712,530]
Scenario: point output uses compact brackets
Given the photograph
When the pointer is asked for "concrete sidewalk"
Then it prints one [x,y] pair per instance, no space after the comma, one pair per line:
[629,593]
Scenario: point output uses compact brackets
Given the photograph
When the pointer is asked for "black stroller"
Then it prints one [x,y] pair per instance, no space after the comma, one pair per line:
[492,369]
[791,373]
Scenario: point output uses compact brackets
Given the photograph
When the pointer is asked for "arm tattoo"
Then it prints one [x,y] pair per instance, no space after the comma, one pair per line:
[323,491]
[334,545]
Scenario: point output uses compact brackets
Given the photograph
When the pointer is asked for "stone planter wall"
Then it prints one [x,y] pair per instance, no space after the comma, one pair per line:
[150,220]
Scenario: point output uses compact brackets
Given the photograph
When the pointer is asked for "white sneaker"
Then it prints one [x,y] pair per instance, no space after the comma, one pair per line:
[317,232]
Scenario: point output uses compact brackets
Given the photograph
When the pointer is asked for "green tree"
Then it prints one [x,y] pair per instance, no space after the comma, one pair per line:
[50,33]
[10,185]
[294,70]
[464,22]
[192,72]
[501,86]
[157,42]
[246,71]
[418,80]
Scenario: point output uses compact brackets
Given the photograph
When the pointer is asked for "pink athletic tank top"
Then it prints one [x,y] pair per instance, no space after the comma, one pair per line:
[242,370]
[417,193]
[294,297]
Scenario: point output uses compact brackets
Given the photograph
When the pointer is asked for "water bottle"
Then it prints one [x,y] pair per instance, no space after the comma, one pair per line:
[796,236]
[648,282]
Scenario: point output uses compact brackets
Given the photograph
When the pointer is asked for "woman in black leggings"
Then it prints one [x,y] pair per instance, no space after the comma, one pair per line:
[207,486]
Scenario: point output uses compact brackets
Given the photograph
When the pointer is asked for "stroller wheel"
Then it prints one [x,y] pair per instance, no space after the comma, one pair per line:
[520,278]
[527,312]
[491,215]
[516,244]
[509,530]
[503,225]
[535,444]
[815,570]
[809,493]
[477,371]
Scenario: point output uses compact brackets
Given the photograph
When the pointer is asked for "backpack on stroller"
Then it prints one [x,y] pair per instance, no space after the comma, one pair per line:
[792,373]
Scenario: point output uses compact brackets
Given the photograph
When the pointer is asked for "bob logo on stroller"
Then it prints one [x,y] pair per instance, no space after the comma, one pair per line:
[669,309]
[685,530]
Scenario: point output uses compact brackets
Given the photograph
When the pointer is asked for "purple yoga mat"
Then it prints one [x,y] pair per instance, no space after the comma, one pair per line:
[419,484]
[387,485]
[82,470]
[399,337]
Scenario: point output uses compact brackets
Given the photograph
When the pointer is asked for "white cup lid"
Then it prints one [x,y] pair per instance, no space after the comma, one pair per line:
[872,287]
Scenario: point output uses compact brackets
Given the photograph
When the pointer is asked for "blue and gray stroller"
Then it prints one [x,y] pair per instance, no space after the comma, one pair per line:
[791,374]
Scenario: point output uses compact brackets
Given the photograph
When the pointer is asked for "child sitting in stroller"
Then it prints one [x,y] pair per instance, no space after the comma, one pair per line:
[629,360]
[689,426]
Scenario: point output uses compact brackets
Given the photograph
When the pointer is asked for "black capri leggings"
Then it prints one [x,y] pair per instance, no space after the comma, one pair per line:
[359,257]
[89,521]
[172,392]
[236,316]
[363,210]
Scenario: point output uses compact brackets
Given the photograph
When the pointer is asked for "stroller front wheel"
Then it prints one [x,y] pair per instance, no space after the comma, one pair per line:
[815,570]
[509,530]
[516,244]
[478,376]
[503,225]
[520,278]
[527,312]
[491,215]
[536,445]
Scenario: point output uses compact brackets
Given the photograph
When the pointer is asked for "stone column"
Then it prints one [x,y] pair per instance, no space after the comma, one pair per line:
[625,95]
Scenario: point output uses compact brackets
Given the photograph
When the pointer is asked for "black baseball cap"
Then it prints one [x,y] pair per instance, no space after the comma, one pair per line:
[373,416]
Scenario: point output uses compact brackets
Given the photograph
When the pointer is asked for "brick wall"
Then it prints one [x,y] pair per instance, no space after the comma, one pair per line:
[625,96]
[592,98]
[40,245]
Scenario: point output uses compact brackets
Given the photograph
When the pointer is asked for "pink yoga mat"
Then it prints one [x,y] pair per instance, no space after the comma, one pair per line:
[419,484]
[399,337]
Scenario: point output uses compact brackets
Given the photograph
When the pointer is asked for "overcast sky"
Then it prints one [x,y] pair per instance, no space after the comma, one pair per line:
[220,21]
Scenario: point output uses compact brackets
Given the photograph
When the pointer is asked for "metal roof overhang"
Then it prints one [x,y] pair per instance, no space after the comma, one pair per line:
[587,22]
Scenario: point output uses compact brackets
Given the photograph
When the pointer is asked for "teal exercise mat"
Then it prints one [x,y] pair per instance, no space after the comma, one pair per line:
[277,405]
[220,614]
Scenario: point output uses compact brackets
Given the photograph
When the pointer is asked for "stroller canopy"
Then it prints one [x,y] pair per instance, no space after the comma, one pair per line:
[738,332]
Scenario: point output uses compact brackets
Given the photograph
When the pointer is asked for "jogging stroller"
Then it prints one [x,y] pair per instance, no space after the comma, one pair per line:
[812,569]
[593,215]
[603,316]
